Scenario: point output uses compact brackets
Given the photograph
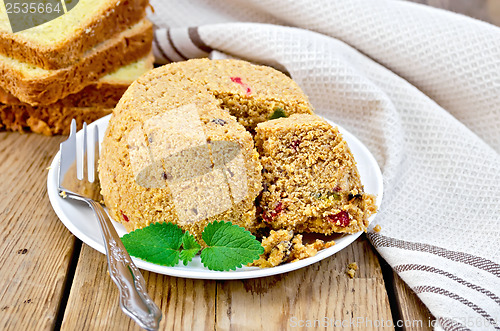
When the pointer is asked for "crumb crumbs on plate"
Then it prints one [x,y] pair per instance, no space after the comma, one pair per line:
[63,194]
[283,246]
[377,228]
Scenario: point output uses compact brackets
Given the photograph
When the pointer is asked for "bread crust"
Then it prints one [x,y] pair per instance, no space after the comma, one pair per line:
[56,84]
[114,19]
[100,94]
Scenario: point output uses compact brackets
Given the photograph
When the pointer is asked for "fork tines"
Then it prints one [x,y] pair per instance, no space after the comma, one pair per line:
[79,156]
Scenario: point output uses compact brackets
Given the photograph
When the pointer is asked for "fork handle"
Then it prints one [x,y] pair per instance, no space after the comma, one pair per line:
[134,300]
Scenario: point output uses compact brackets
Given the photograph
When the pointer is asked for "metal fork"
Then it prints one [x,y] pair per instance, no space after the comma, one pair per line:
[76,180]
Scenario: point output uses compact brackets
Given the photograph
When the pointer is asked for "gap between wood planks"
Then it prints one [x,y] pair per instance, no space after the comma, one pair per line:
[389,287]
[69,282]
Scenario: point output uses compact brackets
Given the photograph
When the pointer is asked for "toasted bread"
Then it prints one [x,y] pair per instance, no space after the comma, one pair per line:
[91,103]
[37,86]
[63,41]
[105,92]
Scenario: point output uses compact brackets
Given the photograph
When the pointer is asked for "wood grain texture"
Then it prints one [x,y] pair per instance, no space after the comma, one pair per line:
[322,293]
[35,247]
[318,291]
[413,313]
[186,304]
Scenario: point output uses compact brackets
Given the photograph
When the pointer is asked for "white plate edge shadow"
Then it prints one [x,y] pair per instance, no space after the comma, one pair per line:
[369,174]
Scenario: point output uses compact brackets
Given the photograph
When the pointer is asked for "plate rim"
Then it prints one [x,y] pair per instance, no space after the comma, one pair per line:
[240,273]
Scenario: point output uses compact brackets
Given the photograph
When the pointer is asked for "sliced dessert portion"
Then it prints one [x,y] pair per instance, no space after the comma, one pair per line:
[254,94]
[311,182]
[251,93]
[94,101]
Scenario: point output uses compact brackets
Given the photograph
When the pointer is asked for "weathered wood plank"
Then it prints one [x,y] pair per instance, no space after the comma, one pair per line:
[187,304]
[35,247]
[322,293]
[494,11]
[270,303]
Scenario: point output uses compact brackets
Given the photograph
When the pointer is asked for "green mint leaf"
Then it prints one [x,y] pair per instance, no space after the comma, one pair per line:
[191,247]
[158,243]
[229,246]
[278,112]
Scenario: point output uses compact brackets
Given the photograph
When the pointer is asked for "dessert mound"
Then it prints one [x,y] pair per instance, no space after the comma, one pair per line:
[197,141]
[176,148]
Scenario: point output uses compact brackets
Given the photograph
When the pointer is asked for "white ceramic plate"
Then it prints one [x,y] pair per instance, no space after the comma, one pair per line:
[79,219]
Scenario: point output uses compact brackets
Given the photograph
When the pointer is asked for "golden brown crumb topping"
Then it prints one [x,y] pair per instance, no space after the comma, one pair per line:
[283,246]
[351,269]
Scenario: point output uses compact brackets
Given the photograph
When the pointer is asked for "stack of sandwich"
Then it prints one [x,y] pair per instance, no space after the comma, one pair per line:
[75,66]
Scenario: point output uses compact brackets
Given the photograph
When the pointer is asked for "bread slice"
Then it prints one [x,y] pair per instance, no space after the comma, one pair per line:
[64,40]
[105,92]
[91,103]
[38,86]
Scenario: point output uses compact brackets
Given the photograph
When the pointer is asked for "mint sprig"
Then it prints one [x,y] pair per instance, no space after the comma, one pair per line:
[157,243]
[228,246]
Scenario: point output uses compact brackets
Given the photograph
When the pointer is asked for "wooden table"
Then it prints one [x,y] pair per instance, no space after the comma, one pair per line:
[50,280]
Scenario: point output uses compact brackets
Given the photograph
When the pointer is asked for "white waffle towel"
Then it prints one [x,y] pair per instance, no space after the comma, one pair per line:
[421,88]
